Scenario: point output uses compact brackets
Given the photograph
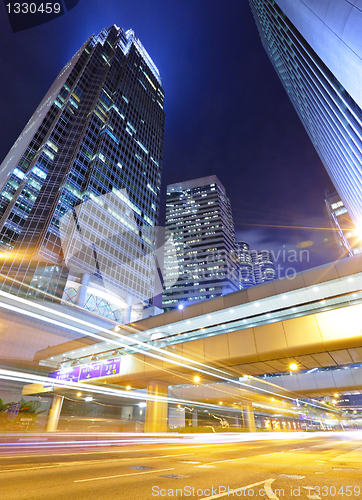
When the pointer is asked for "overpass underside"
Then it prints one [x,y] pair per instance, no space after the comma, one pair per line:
[313,321]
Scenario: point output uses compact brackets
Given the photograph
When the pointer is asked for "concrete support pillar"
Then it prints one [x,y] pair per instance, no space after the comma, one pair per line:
[194,418]
[54,414]
[82,290]
[156,410]
[127,412]
[127,311]
[249,420]
[176,417]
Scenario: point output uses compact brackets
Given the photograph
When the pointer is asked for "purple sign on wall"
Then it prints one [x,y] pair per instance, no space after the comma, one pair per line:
[111,367]
[90,371]
[86,372]
[67,374]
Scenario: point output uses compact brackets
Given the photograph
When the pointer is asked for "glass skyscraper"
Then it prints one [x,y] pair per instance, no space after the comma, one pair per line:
[344,231]
[80,187]
[200,249]
[315,47]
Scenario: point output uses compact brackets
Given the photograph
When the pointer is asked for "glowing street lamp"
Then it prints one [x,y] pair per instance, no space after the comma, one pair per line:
[293,367]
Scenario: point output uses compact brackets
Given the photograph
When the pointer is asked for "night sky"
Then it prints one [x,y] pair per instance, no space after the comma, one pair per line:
[226,111]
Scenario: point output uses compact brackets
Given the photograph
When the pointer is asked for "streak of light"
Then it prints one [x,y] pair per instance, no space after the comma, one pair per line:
[288,227]
[225,376]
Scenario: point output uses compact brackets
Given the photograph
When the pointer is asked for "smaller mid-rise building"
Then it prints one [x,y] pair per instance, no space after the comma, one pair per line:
[255,267]
[246,269]
[263,265]
[200,250]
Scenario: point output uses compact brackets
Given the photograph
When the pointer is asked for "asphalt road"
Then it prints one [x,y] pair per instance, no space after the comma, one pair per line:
[322,466]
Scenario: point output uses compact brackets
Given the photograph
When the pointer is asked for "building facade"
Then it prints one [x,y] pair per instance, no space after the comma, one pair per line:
[200,249]
[80,187]
[344,231]
[255,267]
[316,50]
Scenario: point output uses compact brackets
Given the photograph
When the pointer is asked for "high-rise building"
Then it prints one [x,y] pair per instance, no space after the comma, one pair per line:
[315,47]
[255,267]
[200,250]
[344,231]
[80,187]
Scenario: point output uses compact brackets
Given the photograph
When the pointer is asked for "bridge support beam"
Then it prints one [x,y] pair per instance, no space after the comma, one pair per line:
[82,290]
[249,420]
[194,418]
[157,409]
[127,311]
[54,414]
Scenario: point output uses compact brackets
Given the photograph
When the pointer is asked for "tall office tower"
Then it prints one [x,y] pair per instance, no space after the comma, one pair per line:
[80,187]
[200,250]
[315,47]
[344,231]
[255,267]
[245,265]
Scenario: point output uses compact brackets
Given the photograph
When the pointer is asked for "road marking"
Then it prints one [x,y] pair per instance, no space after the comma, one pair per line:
[189,462]
[295,449]
[266,454]
[205,466]
[291,476]
[334,468]
[174,476]
[269,492]
[122,475]
[247,487]
[320,461]
[32,468]
[228,460]
[241,458]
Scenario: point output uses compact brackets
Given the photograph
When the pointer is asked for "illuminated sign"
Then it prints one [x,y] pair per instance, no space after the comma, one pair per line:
[87,372]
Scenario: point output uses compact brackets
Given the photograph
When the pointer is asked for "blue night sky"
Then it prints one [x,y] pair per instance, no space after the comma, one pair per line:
[226,111]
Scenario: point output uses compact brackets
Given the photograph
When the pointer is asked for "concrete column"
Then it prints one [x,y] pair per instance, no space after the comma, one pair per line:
[156,410]
[127,412]
[249,420]
[194,418]
[127,311]
[82,290]
[54,414]
[176,417]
